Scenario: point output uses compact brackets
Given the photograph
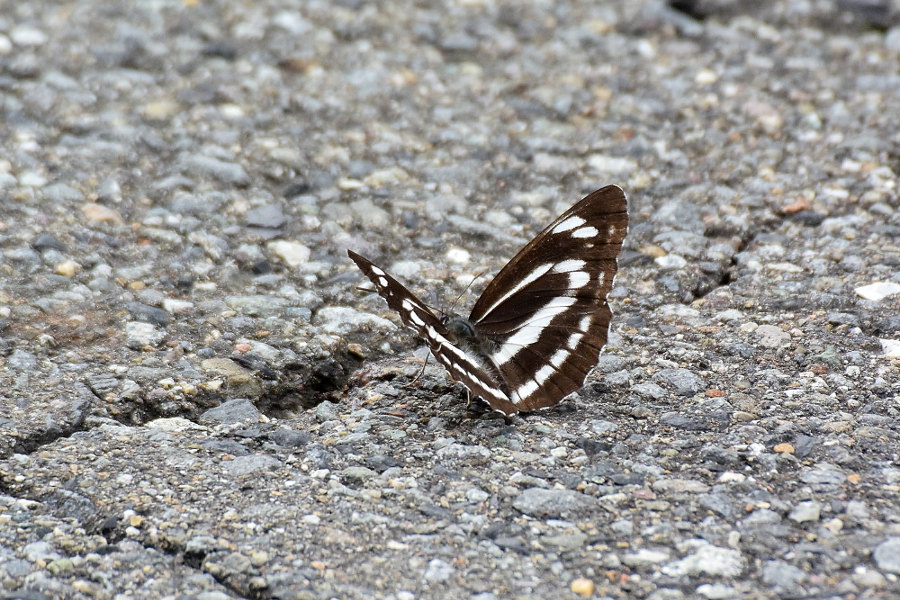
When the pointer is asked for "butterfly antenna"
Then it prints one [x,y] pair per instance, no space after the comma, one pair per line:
[474,278]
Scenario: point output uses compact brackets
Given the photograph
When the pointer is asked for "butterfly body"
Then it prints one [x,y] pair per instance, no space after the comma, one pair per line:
[463,332]
[538,328]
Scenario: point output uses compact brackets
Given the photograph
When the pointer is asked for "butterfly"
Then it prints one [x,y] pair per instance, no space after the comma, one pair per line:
[539,326]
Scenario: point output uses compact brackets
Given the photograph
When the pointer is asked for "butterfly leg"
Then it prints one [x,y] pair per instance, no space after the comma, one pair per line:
[424,364]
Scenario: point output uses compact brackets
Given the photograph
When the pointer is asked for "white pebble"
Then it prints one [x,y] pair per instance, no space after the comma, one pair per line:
[293,254]
[23,35]
[878,291]
[670,261]
[890,348]
[175,306]
[458,256]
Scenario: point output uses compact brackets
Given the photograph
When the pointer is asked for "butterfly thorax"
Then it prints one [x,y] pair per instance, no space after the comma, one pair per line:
[464,335]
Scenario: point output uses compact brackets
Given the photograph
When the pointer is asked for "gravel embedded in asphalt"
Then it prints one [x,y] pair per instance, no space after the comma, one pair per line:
[197,401]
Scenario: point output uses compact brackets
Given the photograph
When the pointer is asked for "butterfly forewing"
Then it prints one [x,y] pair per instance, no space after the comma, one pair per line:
[591,231]
[541,323]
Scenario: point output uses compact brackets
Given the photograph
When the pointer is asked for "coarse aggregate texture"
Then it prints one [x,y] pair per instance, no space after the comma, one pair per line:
[196,401]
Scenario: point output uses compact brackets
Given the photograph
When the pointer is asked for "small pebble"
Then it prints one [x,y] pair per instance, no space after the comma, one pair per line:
[438,571]
[582,586]
[294,254]
[887,555]
[808,510]
[878,291]
[102,214]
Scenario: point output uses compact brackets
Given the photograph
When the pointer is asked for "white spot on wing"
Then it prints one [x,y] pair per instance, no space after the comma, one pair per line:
[532,329]
[450,348]
[567,266]
[382,282]
[569,224]
[543,374]
[540,378]
[576,337]
[560,356]
[444,342]
[585,232]
[578,279]
[525,390]
[377,271]
[537,273]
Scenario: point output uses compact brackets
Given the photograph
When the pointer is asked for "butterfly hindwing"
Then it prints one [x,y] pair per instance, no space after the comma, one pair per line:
[538,328]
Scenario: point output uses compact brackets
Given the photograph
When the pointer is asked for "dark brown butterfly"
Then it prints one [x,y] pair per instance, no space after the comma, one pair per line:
[538,328]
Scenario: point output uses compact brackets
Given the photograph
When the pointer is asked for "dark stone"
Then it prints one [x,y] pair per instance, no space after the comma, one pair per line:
[603,470]
[510,543]
[804,445]
[888,325]
[251,433]
[627,479]
[226,447]
[719,504]
[261,267]
[149,314]
[686,422]
[592,447]
[808,218]
[740,349]
[569,480]
[842,318]
[235,410]
[381,463]
[46,241]
[220,49]
[433,510]
[319,457]
[290,438]
[69,505]
[297,188]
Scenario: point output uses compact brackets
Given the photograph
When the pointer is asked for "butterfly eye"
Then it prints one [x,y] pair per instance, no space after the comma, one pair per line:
[461,330]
